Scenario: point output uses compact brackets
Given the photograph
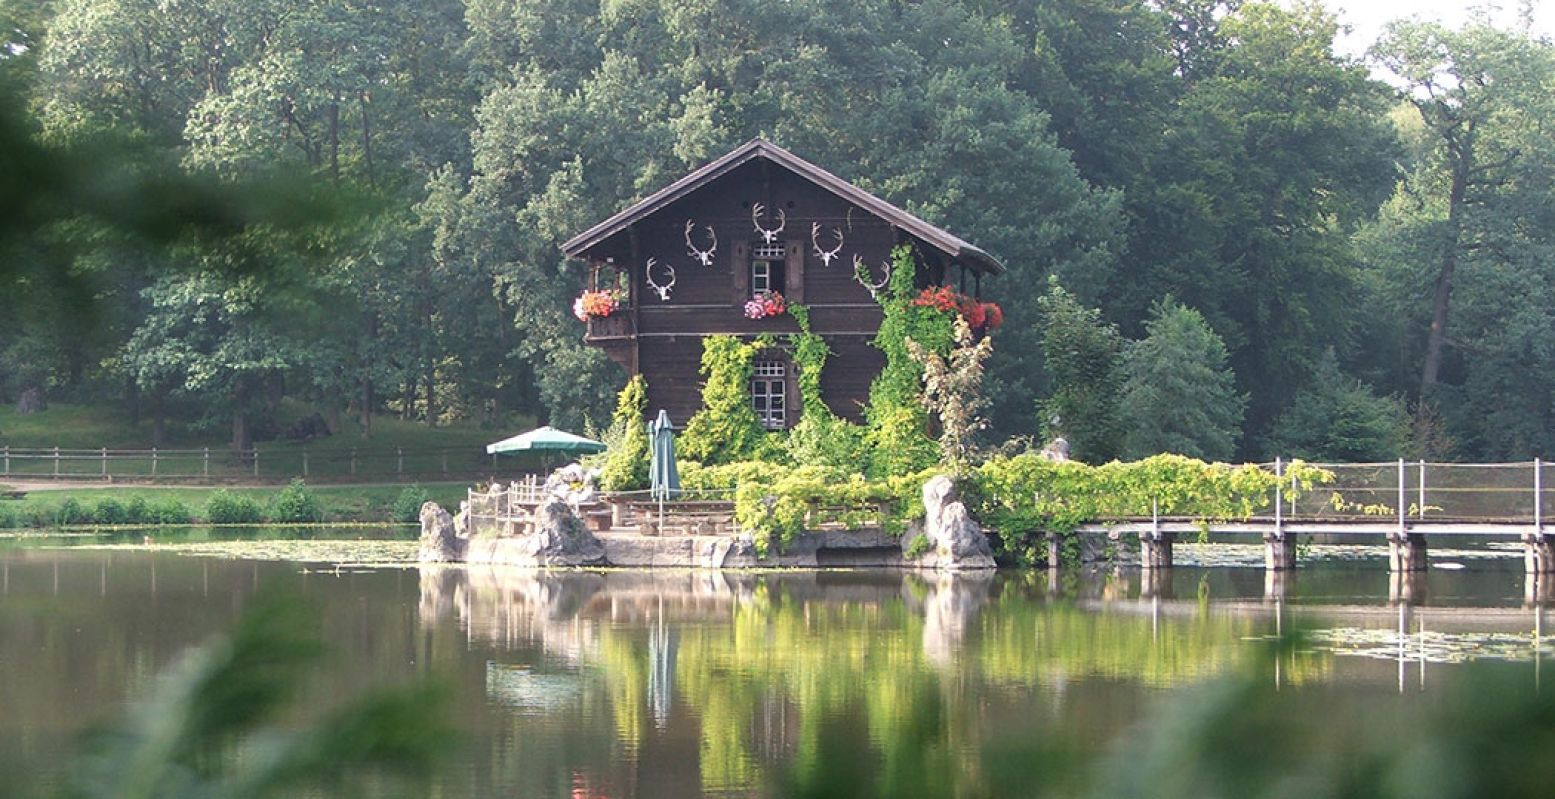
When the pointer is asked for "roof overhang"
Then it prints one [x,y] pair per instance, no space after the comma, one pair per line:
[955,247]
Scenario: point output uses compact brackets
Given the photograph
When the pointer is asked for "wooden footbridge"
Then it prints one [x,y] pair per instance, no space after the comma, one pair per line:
[1401,502]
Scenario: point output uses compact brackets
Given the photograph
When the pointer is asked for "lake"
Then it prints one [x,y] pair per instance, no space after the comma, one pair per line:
[681,684]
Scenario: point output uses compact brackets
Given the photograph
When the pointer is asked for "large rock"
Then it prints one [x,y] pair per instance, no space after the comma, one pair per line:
[956,541]
[441,542]
[560,538]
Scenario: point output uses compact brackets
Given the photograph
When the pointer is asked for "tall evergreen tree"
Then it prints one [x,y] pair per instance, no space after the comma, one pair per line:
[1179,393]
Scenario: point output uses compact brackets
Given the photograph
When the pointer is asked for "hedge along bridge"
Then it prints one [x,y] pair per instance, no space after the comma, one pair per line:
[1401,501]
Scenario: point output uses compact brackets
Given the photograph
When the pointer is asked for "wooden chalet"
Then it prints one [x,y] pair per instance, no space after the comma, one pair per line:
[685,262]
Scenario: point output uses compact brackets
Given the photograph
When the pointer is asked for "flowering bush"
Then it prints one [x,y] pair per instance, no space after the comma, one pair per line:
[982,317]
[765,304]
[597,304]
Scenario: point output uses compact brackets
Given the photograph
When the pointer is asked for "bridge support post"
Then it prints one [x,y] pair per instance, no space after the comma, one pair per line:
[1055,554]
[1277,584]
[1156,584]
[1155,550]
[1538,554]
[1406,552]
[1538,590]
[1279,552]
[1406,588]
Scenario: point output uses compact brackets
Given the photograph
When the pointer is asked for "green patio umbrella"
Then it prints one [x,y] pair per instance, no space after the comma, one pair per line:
[546,440]
[663,479]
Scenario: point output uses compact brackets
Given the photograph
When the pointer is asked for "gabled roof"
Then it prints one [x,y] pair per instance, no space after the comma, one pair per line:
[954,246]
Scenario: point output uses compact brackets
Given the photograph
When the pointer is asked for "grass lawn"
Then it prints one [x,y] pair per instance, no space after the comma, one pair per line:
[397,449]
[351,503]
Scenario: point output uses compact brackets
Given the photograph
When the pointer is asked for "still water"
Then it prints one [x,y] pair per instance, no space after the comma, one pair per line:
[683,684]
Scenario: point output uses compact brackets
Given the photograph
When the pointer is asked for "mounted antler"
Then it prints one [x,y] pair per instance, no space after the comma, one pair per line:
[861,274]
[705,256]
[826,255]
[768,236]
[664,290]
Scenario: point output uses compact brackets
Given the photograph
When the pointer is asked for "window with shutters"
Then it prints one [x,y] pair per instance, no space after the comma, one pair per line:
[768,264]
[769,393]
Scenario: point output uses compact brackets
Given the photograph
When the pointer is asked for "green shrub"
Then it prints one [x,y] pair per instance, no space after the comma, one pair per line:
[138,510]
[296,503]
[625,466]
[69,512]
[9,517]
[407,506]
[1023,496]
[225,507]
[110,511]
[776,502]
[168,511]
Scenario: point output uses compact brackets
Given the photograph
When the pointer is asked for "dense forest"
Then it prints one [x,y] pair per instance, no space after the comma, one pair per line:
[1223,237]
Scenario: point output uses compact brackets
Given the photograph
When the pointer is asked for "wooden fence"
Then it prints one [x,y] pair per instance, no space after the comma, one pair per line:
[335,464]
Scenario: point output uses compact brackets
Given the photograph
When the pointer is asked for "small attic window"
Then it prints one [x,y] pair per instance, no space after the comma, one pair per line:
[767,267]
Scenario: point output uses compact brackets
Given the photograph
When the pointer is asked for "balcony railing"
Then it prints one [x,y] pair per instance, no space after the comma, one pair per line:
[617,325]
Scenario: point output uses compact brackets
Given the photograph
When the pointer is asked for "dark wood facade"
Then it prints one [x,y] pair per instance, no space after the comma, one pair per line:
[661,337]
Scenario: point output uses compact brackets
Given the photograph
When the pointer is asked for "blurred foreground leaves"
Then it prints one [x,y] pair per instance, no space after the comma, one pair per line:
[219,723]
[1480,731]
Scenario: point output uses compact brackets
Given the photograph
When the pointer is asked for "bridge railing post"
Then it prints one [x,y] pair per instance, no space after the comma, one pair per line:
[1403,517]
[1538,551]
[1279,504]
[1538,496]
[1279,550]
[1406,551]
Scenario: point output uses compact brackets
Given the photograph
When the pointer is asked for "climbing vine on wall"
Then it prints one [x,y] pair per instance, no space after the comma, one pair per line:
[726,429]
[898,434]
[821,438]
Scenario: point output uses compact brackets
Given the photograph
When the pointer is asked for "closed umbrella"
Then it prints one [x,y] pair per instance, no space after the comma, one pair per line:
[663,479]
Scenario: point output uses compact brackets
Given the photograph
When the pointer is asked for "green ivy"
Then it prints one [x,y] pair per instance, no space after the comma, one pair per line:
[898,434]
[1025,496]
[821,438]
[726,429]
[625,465]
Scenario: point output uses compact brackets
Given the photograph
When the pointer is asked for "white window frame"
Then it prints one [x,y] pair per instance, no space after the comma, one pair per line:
[761,276]
[763,256]
[769,393]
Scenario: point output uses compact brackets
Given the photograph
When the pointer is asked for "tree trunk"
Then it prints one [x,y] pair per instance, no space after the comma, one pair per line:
[240,435]
[408,400]
[431,382]
[158,425]
[367,140]
[333,111]
[367,407]
[1437,337]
